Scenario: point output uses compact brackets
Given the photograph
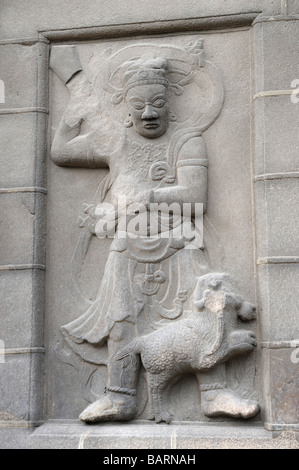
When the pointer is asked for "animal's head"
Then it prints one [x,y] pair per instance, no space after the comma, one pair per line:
[215,292]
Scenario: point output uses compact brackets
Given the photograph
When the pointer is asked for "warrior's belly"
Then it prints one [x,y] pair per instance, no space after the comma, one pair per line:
[127,190]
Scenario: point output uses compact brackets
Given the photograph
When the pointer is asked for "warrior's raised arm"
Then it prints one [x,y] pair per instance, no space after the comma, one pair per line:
[74,143]
[70,148]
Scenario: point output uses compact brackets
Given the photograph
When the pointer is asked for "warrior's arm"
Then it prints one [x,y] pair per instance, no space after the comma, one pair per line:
[69,148]
[192,175]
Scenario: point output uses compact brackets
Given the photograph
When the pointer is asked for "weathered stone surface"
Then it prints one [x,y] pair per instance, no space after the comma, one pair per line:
[276,143]
[146,436]
[13,437]
[293,7]
[19,73]
[281,387]
[277,205]
[279,315]
[17,223]
[22,214]
[233,438]
[22,399]
[21,150]
[75,15]
[276,55]
[21,307]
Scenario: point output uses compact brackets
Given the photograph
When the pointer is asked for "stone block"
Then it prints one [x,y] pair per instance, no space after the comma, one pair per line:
[13,437]
[137,436]
[276,135]
[21,150]
[20,389]
[276,55]
[19,73]
[231,437]
[74,14]
[21,307]
[277,216]
[282,387]
[293,7]
[278,286]
[22,230]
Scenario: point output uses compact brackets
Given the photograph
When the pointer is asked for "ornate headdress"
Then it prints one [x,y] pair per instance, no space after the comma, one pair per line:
[173,69]
[140,72]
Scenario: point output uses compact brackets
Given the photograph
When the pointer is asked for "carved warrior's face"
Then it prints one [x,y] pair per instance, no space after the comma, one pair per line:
[148,109]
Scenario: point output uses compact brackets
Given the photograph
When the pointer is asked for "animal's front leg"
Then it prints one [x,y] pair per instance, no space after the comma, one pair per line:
[164,400]
[151,412]
[241,341]
[154,411]
[157,385]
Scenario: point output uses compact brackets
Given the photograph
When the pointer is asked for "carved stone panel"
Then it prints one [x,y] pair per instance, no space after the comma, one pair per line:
[150,279]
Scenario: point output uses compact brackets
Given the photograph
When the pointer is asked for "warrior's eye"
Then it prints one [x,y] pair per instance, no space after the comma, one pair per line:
[138,105]
[159,103]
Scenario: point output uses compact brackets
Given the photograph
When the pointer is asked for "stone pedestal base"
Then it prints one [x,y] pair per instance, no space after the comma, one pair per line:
[146,435]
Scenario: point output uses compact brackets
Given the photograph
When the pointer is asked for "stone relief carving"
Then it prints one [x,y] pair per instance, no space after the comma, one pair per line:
[206,337]
[159,303]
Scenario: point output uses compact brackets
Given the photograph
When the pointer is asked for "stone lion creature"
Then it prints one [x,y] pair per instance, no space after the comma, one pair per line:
[207,336]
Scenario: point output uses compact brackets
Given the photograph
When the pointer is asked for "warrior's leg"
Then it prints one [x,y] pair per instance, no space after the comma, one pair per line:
[119,402]
[217,400]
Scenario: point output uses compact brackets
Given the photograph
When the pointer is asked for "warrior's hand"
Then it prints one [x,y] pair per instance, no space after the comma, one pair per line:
[88,219]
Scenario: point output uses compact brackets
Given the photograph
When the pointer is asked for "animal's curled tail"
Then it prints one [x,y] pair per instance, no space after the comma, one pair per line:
[132,348]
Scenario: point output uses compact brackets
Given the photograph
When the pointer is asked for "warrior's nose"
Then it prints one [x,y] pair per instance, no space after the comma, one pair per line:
[149,112]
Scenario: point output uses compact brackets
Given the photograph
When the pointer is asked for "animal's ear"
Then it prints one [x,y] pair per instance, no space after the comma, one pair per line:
[215,283]
[199,304]
[232,299]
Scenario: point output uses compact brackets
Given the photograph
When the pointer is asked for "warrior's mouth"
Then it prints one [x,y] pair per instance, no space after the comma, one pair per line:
[151,125]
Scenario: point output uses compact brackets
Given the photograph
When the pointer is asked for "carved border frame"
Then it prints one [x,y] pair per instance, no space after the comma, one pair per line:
[44,39]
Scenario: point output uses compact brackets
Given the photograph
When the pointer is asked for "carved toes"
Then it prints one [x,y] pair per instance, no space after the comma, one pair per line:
[164,417]
[242,340]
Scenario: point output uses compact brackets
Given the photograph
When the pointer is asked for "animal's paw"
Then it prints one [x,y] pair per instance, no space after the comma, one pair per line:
[151,416]
[242,341]
[163,418]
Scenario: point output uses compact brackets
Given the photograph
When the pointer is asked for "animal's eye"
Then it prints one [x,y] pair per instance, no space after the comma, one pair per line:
[138,105]
[158,103]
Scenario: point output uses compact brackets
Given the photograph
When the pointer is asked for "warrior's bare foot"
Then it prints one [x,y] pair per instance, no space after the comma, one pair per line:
[226,402]
[112,407]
